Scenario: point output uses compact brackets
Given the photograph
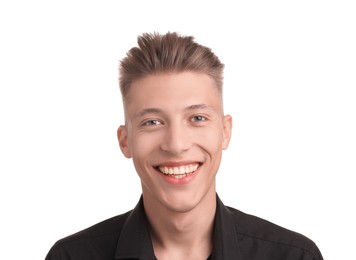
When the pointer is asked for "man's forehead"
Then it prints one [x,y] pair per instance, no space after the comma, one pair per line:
[172,91]
[180,78]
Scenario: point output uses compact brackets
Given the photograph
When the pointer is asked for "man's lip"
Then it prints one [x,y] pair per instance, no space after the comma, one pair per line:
[178,173]
[176,164]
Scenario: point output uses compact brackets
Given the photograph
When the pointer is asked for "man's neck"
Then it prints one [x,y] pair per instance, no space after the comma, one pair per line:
[182,235]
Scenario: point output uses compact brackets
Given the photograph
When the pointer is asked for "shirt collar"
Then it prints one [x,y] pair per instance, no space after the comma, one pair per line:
[224,237]
[135,240]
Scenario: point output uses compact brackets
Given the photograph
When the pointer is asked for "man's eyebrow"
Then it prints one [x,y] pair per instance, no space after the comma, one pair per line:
[151,110]
[199,106]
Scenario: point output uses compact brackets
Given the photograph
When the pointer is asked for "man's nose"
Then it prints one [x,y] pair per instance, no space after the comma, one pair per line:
[177,139]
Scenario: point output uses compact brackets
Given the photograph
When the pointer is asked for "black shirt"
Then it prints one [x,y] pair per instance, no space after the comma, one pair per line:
[237,236]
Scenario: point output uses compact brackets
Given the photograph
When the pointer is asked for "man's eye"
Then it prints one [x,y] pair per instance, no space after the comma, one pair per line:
[152,122]
[198,118]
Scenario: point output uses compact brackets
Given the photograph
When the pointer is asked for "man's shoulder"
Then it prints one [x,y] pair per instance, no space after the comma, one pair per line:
[101,235]
[253,228]
[104,228]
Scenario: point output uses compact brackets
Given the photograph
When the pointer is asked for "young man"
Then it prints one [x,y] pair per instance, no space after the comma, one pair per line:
[175,130]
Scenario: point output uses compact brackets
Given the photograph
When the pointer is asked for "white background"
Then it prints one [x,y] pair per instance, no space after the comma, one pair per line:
[289,85]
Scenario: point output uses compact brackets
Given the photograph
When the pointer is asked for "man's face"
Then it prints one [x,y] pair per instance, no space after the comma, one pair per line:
[175,132]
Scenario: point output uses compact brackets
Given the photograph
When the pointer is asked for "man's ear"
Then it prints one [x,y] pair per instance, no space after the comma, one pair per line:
[123,141]
[227,130]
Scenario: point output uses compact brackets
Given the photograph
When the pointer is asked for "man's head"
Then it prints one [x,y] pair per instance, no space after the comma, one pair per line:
[170,52]
[175,128]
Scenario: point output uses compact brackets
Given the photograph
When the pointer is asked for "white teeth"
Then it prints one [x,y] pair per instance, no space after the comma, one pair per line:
[179,172]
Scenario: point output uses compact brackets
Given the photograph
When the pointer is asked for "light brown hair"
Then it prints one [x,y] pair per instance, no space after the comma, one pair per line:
[170,52]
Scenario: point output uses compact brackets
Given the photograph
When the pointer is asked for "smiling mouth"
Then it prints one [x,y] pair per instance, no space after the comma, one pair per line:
[178,172]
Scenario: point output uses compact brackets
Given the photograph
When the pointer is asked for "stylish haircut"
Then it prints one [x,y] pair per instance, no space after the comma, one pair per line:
[170,52]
